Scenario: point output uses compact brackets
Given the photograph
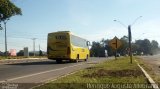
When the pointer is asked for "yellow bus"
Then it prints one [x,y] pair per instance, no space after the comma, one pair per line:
[63,45]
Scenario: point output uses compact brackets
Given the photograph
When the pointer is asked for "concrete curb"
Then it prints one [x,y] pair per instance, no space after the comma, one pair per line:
[22,59]
[11,61]
[151,81]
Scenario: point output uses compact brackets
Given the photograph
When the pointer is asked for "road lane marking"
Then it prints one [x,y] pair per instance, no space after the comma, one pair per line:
[48,71]
[39,73]
[56,78]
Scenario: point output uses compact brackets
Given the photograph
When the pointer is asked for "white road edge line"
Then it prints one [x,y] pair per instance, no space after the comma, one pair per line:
[154,85]
[54,79]
[38,73]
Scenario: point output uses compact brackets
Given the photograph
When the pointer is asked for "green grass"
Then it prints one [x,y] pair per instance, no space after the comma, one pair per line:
[118,71]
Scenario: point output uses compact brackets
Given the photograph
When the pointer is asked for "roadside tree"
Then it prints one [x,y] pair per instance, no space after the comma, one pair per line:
[8,9]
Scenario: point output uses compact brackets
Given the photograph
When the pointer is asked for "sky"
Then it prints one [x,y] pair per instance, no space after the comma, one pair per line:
[90,19]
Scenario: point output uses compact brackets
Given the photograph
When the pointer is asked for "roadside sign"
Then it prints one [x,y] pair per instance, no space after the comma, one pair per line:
[115,43]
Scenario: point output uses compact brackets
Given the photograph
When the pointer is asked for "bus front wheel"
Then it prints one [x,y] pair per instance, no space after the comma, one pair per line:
[77,59]
[86,58]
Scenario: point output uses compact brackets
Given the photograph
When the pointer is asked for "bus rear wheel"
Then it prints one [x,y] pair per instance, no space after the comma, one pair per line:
[58,61]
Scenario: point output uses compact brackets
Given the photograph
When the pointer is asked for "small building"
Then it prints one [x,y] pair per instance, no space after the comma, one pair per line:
[13,52]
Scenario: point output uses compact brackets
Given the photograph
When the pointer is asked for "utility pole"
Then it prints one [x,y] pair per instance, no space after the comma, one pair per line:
[129,40]
[39,47]
[1,16]
[1,26]
[129,35]
[40,51]
[5,28]
[34,45]
[5,38]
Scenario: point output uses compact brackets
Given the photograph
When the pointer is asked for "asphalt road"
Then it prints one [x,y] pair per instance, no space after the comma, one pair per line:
[153,61]
[40,71]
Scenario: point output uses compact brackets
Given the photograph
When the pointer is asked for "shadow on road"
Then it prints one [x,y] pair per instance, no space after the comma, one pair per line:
[39,63]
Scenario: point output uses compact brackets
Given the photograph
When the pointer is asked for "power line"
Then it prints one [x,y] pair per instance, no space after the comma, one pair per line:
[25,38]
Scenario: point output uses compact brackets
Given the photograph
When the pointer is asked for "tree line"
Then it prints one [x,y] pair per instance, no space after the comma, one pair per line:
[139,47]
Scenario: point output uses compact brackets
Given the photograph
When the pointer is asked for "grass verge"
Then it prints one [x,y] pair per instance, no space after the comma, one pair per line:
[116,72]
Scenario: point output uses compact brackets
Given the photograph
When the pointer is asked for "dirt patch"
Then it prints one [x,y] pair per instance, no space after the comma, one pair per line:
[91,68]
[114,73]
[92,63]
